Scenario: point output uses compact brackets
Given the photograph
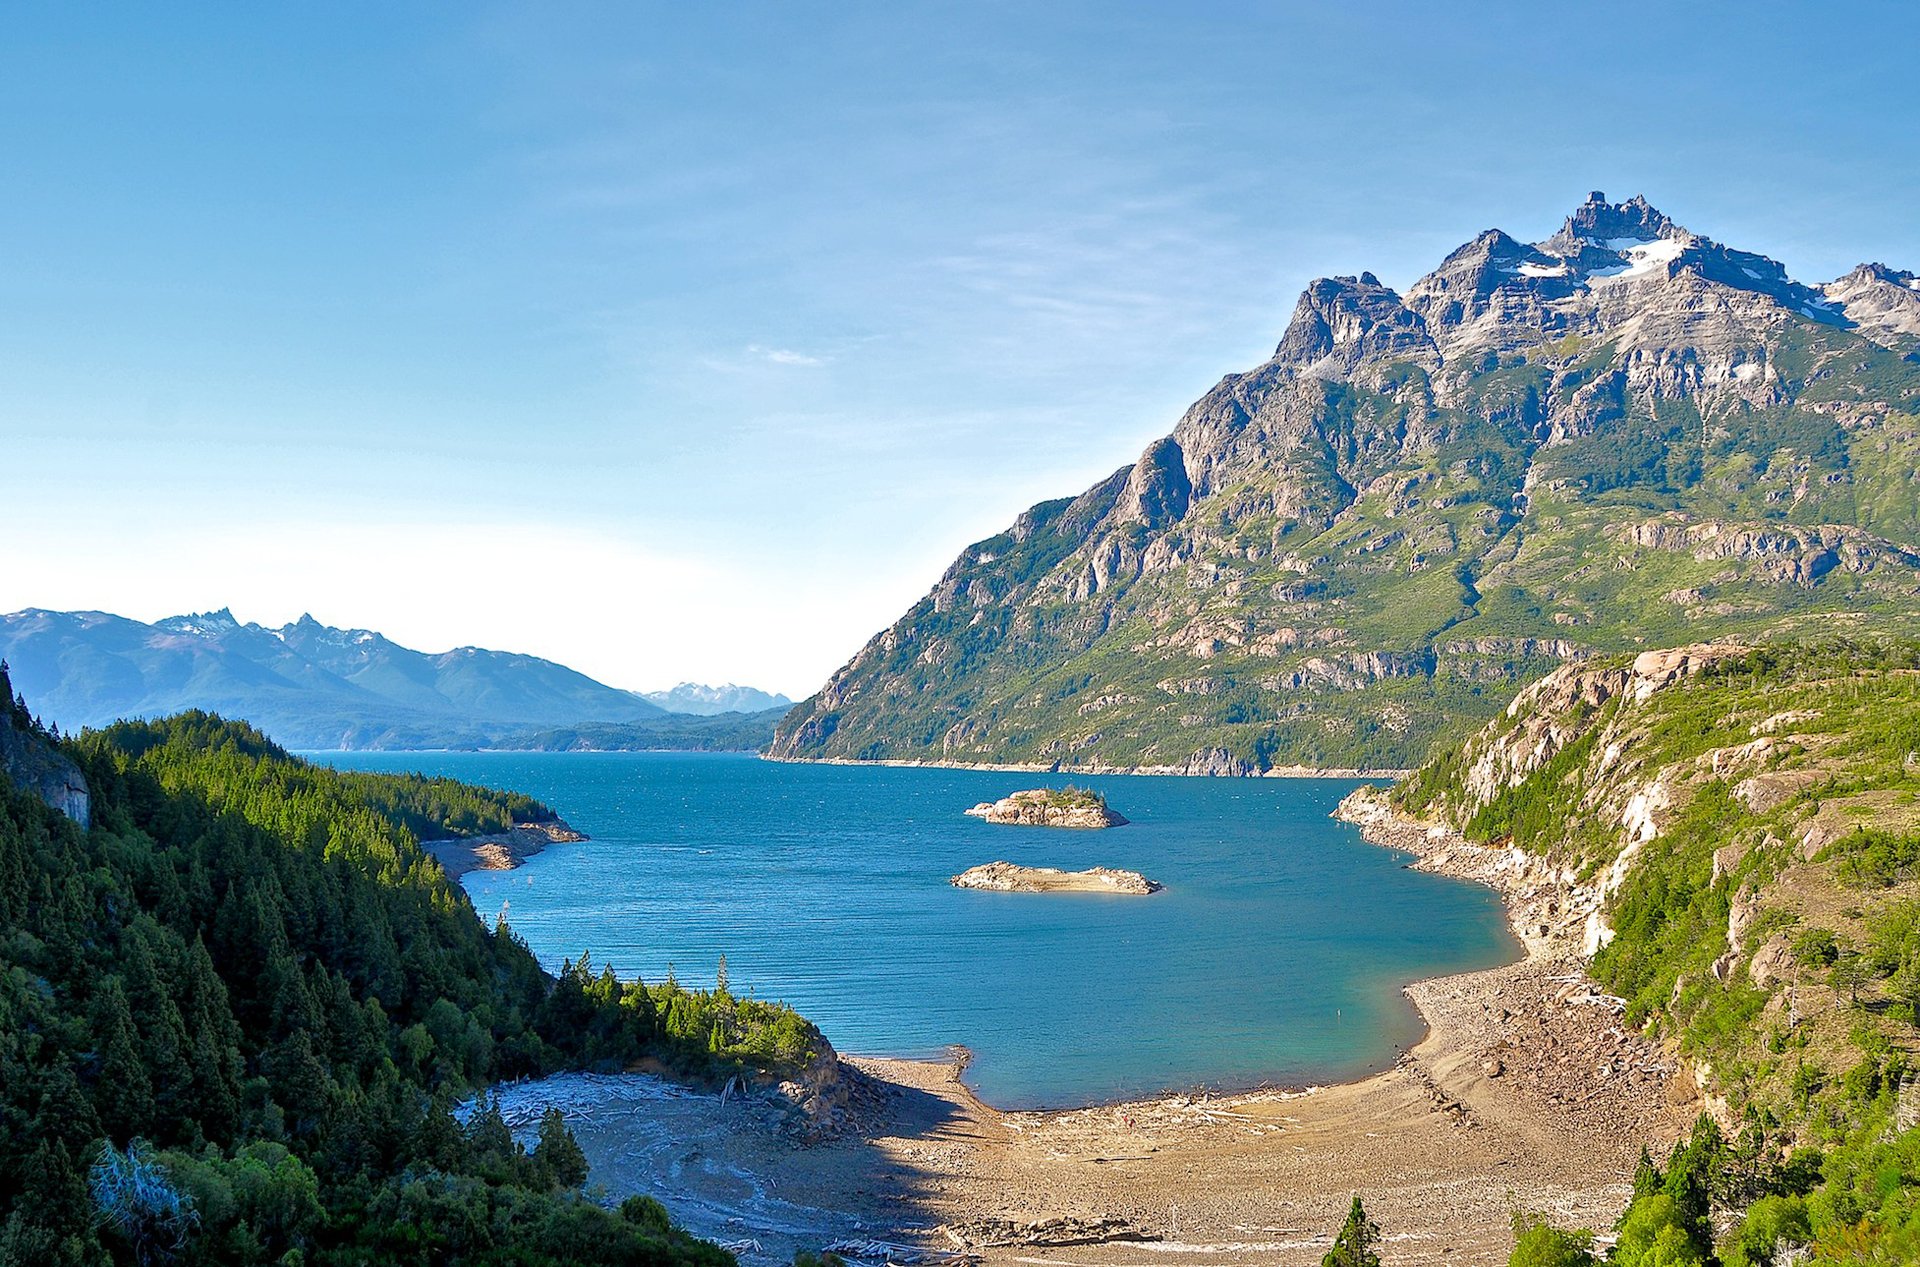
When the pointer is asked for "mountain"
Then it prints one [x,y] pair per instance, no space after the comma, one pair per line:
[1626,435]
[705,701]
[307,684]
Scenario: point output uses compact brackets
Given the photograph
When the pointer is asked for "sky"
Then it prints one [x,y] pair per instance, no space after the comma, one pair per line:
[694,341]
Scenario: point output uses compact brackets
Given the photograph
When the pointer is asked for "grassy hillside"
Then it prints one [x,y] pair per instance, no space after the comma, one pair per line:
[1749,822]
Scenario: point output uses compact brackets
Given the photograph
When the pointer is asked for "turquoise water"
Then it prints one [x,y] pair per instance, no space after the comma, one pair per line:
[1275,954]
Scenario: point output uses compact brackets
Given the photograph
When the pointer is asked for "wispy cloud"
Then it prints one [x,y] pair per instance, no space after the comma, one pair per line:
[784,356]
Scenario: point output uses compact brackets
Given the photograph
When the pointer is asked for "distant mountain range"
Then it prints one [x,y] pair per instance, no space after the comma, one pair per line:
[310,685]
[705,701]
[1625,435]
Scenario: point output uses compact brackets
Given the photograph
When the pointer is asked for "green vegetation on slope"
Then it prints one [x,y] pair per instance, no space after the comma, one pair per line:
[236,1014]
[1768,922]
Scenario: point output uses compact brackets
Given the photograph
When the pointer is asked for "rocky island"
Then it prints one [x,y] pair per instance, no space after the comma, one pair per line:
[1050,807]
[1007,877]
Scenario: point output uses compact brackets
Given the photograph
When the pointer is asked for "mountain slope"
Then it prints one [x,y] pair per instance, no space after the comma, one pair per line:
[307,684]
[1625,435]
[1729,839]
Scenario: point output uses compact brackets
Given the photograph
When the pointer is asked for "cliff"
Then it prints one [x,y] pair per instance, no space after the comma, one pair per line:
[32,763]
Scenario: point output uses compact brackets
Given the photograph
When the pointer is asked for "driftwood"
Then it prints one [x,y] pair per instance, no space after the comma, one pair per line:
[1054,1233]
[867,1251]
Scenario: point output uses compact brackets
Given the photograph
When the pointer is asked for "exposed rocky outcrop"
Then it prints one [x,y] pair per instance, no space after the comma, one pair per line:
[828,1098]
[500,851]
[31,762]
[1006,877]
[1044,807]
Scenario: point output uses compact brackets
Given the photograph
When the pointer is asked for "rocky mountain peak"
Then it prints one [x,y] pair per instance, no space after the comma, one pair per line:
[1341,321]
[1883,302]
[1536,452]
[201,623]
[1600,221]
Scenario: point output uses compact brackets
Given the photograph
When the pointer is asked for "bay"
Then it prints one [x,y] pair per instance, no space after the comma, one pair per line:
[1275,955]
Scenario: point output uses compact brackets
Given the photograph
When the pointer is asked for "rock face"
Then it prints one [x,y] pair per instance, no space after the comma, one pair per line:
[1005,877]
[1624,435]
[1043,807]
[31,762]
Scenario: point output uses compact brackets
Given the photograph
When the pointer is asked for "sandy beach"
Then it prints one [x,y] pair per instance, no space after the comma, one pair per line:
[1526,1091]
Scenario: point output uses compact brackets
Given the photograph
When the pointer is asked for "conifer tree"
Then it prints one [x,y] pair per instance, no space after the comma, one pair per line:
[559,1152]
[123,1095]
[1353,1246]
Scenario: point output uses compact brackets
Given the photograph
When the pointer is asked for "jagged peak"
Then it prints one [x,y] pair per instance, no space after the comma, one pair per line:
[1877,272]
[200,622]
[1488,244]
[1597,220]
[1347,317]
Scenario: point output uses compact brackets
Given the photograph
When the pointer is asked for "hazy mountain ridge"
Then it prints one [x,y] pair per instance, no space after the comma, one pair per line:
[308,685]
[699,700]
[1624,435]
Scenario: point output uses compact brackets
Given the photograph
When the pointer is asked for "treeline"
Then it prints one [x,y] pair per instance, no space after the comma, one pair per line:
[236,1016]
[675,732]
[237,765]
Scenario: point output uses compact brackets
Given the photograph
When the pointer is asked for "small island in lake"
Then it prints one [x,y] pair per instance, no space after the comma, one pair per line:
[1050,807]
[1006,877]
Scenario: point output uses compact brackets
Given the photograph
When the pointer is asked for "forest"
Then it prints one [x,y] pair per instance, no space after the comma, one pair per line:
[239,1011]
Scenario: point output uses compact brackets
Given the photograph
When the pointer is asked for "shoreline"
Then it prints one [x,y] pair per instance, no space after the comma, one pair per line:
[1525,1090]
[498,851]
[998,767]
[1054,767]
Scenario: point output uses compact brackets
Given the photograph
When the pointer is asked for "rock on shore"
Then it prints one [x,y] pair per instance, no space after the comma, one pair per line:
[1006,877]
[501,851]
[1047,807]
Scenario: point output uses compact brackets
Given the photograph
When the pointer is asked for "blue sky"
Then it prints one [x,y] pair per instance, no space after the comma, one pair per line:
[690,341]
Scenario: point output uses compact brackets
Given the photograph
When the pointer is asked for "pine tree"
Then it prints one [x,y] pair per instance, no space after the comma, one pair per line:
[123,1095]
[1353,1247]
[1646,1176]
[559,1152]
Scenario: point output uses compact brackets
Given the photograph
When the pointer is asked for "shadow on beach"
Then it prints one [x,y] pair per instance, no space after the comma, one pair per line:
[733,1169]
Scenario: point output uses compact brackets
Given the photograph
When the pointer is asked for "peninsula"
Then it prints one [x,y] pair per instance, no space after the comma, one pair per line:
[1050,807]
[498,851]
[1007,877]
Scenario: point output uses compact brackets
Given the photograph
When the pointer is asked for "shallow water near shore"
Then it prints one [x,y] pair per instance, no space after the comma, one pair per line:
[1275,954]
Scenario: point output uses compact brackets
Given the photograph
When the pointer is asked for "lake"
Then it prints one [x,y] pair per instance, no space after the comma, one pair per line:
[1275,954]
